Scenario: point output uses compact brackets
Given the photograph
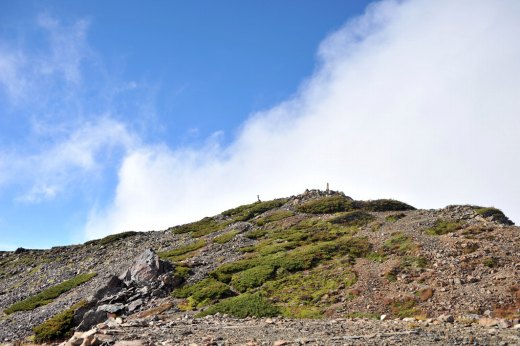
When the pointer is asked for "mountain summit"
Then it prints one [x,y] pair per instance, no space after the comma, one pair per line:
[316,268]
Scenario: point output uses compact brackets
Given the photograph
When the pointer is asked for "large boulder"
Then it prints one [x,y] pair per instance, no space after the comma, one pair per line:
[146,267]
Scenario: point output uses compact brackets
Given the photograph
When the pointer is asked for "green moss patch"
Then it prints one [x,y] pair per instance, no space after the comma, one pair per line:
[205,290]
[404,307]
[399,243]
[395,217]
[326,205]
[224,238]
[201,228]
[495,215]
[384,205]
[111,238]
[47,296]
[273,217]
[253,277]
[242,306]
[306,294]
[249,211]
[301,258]
[441,227]
[183,252]
[57,327]
[354,218]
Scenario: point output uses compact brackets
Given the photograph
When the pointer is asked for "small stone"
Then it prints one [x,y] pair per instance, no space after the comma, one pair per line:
[382,317]
[281,343]
[408,319]
[130,343]
[487,322]
[504,323]
[446,318]
[516,326]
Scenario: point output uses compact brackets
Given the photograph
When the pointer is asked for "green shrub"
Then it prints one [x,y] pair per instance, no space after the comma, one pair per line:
[489,262]
[175,255]
[395,217]
[358,314]
[495,215]
[353,218]
[275,216]
[385,205]
[307,312]
[249,211]
[207,289]
[224,238]
[242,306]
[182,271]
[326,205]
[252,278]
[200,228]
[404,307]
[376,256]
[399,243]
[111,238]
[310,288]
[257,233]
[226,271]
[443,227]
[48,295]
[57,327]
[414,261]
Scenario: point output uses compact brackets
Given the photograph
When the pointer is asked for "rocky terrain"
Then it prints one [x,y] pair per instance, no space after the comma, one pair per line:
[319,268]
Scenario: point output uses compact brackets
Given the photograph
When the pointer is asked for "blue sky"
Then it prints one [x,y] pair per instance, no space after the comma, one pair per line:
[122,115]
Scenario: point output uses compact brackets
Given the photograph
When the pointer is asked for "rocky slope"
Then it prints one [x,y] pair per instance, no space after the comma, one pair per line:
[317,268]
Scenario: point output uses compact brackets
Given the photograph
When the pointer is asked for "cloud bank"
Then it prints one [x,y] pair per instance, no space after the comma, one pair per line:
[414,100]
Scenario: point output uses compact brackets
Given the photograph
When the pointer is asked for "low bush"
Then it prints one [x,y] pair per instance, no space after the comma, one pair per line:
[273,217]
[57,327]
[257,233]
[177,254]
[495,215]
[399,243]
[309,289]
[242,306]
[326,205]
[48,295]
[249,211]
[201,228]
[404,307]
[395,217]
[226,271]
[111,238]
[207,289]
[252,278]
[354,218]
[384,205]
[224,238]
[441,227]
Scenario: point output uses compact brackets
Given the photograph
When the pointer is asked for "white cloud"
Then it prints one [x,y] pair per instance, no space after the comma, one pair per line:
[70,158]
[11,79]
[415,100]
[68,48]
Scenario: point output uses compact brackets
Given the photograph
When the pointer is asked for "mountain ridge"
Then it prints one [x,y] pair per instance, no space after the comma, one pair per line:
[320,254]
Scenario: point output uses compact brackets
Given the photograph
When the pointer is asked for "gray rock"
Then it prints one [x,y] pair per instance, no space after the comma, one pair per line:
[112,308]
[146,267]
[135,305]
[113,286]
[90,319]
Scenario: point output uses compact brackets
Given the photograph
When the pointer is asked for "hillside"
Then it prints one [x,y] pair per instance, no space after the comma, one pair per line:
[319,268]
